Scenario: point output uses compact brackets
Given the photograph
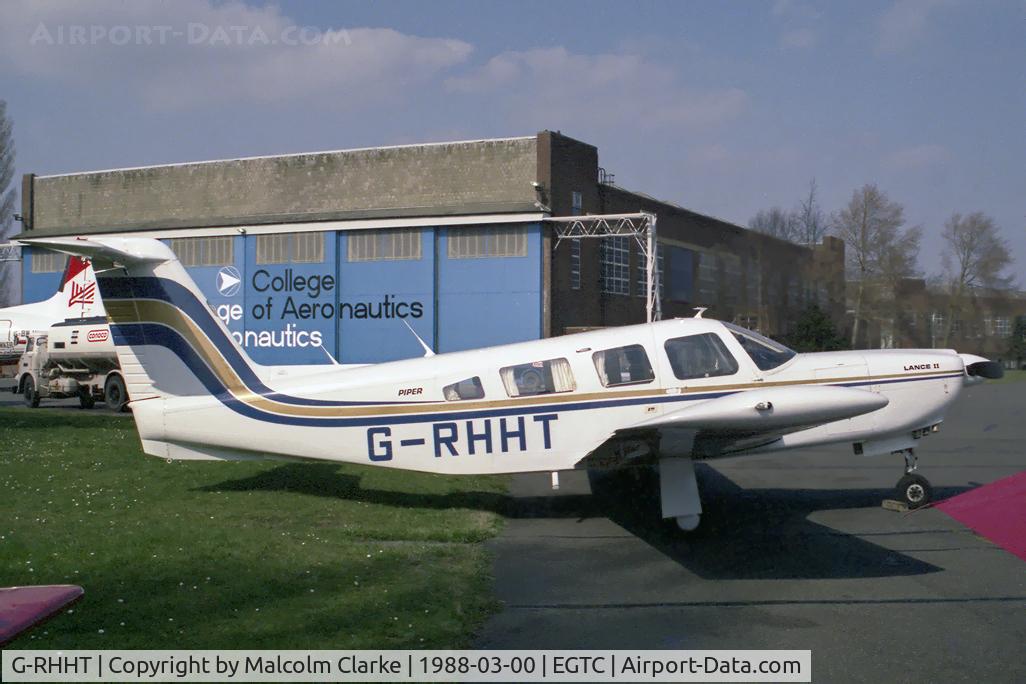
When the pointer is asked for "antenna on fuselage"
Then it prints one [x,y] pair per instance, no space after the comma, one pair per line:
[334,361]
[700,310]
[428,351]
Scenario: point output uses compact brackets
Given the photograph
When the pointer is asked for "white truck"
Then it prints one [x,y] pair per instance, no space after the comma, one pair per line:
[74,358]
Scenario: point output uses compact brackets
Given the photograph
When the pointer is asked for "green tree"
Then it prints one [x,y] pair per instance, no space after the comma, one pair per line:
[7,199]
[975,256]
[1017,345]
[814,331]
[880,252]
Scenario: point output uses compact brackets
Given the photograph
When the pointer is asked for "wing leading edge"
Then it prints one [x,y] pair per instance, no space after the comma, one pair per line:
[735,422]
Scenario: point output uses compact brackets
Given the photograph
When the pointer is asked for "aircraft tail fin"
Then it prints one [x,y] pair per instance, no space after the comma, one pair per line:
[77,296]
[168,340]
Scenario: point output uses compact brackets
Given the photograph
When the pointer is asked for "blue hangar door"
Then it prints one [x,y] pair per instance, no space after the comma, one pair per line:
[296,297]
[459,287]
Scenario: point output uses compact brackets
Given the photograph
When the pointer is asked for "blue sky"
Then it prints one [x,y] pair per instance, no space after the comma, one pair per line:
[724,107]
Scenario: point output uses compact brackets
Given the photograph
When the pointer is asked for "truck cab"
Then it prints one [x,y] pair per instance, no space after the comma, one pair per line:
[74,358]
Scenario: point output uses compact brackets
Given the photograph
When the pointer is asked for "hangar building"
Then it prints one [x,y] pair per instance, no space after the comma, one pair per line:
[306,255]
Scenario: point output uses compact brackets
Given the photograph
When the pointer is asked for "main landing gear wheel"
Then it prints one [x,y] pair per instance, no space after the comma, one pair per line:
[914,490]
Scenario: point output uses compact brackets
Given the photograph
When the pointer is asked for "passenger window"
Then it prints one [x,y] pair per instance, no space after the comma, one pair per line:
[539,377]
[699,356]
[464,389]
[623,366]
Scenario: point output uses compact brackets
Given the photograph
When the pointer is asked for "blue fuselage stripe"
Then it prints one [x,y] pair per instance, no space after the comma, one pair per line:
[160,335]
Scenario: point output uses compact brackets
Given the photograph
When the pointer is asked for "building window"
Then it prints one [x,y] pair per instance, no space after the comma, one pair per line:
[731,265]
[794,292]
[272,249]
[616,253]
[487,242]
[823,297]
[538,377]
[699,356]
[48,262]
[394,244]
[1003,327]
[204,251]
[749,321]
[623,366]
[576,203]
[752,283]
[308,248]
[641,283]
[283,248]
[707,279]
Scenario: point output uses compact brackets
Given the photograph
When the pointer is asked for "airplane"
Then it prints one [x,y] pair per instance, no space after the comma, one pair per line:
[665,393]
[76,297]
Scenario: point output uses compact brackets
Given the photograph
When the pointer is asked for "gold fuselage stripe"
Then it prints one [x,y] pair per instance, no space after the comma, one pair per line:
[163,313]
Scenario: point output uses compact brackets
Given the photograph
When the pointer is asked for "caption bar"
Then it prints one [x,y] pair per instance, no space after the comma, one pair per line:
[409,666]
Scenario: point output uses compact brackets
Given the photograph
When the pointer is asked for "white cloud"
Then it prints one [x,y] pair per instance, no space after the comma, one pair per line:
[799,38]
[904,23]
[553,86]
[795,10]
[189,53]
[798,21]
[916,157]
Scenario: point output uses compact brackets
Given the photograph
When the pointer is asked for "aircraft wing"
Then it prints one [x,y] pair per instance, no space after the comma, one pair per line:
[742,420]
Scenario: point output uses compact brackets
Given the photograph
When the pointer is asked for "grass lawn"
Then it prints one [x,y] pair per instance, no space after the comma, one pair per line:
[237,554]
[1013,376]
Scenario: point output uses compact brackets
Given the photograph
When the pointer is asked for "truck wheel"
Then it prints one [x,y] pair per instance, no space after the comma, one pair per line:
[30,393]
[85,399]
[114,394]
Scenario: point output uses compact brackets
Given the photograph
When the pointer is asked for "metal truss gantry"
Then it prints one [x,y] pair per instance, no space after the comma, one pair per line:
[9,252]
[641,226]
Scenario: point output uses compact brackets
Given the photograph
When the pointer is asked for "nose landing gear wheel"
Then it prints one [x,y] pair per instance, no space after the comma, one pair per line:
[914,490]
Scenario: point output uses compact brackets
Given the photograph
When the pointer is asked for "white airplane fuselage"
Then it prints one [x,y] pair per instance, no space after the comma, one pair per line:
[670,391]
[401,419]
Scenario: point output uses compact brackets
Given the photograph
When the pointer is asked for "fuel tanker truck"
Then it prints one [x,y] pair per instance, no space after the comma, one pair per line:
[74,358]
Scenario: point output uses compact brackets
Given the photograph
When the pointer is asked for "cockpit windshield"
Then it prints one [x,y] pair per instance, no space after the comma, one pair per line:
[766,353]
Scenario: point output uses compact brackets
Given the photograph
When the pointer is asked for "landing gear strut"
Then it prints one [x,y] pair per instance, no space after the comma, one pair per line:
[913,489]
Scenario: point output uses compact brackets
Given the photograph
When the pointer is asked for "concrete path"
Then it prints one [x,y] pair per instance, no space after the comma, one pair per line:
[795,552]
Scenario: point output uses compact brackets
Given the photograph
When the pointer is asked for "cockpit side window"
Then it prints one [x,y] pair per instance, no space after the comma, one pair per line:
[464,389]
[765,353]
[538,377]
[699,356]
[623,366]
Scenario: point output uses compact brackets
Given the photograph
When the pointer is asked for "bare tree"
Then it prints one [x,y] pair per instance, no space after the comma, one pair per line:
[7,199]
[975,256]
[811,224]
[776,222]
[879,252]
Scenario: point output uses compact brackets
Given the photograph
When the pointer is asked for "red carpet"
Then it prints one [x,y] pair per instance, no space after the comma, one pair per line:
[22,607]
[996,511]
